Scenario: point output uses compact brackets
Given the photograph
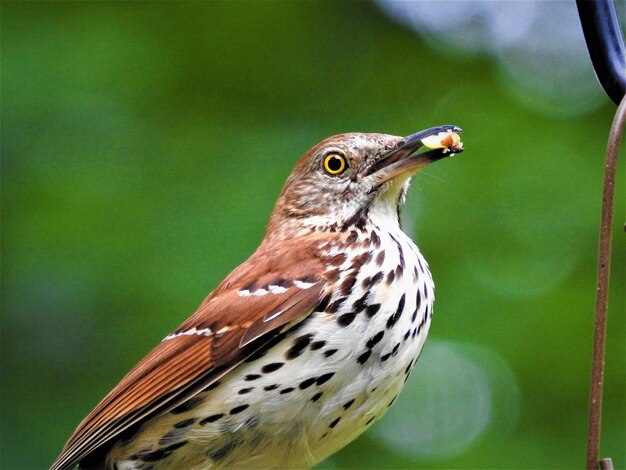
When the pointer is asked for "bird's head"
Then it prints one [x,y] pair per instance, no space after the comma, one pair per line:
[348,176]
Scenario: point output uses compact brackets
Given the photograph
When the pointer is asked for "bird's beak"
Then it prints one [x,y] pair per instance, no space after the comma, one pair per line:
[440,142]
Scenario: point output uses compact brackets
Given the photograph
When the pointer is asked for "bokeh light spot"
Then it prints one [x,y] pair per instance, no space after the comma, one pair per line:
[538,46]
[455,393]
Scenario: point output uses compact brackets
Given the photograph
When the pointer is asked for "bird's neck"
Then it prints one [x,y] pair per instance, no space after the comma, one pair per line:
[379,214]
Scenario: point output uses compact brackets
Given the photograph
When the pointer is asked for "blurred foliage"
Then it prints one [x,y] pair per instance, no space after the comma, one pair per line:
[144,145]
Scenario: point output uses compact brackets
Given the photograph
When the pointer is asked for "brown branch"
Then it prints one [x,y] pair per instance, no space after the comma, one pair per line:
[602,292]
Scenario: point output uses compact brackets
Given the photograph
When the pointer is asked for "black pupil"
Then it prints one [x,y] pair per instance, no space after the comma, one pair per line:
[334,163]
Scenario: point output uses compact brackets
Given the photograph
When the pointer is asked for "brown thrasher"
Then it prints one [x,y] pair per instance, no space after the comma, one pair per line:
[302,347]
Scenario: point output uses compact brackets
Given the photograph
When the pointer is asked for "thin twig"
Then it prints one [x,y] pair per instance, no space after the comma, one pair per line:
[602,290]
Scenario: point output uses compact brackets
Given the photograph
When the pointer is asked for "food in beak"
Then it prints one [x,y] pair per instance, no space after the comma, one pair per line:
[448,141]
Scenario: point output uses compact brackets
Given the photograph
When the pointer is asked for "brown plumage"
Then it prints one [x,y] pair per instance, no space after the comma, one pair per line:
[295,271]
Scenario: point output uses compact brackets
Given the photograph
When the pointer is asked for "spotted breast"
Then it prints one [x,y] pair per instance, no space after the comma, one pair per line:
[320,384]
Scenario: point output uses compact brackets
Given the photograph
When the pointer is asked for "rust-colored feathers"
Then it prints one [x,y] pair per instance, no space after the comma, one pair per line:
[231,323]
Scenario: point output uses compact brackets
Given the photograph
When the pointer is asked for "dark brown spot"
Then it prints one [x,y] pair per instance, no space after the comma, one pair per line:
[323,304]
[390,276]
[370,420]
[399,271]
[251,377]
[307,279]
[330,352]
[251,286]
[243,391]
[348,283]
[280,283]
[334,423]
[238,409]
[375,239]
[348,404]
[392,400]
[372,310]
[335,305]
[184,423]
[359,304]
[364,357]
[376,279]
[271,387]
[361,259]
[287,390]
[407,334]
[400,254]
[274,366]
[380,258]
[374,340]
[188,405]
[299,345]
[352,238]
[317,396]
[346,318]
[395,350]
[211,419]
[384,357]
[391,321]
[324,378]
[315,345]
[306,383]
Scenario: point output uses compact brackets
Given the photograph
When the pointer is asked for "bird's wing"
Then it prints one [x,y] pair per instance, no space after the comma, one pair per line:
[269,293]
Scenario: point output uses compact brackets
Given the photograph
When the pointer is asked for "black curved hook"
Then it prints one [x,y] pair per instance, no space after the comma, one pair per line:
[605,43]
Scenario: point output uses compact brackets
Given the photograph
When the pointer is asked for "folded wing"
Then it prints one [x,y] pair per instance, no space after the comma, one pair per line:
[270,292]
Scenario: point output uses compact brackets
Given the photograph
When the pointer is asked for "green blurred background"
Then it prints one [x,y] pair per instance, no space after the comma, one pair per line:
[144,144]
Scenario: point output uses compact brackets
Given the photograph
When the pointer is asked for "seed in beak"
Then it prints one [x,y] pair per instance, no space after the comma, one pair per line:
[448,141]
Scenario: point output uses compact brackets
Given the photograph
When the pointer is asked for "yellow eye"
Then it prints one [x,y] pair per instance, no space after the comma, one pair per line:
[334,164]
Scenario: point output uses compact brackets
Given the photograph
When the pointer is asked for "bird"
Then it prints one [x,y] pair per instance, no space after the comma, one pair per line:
[302,347]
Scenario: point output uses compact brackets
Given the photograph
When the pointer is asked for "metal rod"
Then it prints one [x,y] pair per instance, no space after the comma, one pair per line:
[602,289]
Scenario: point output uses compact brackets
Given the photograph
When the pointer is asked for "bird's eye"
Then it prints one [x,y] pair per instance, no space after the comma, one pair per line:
[334,164]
